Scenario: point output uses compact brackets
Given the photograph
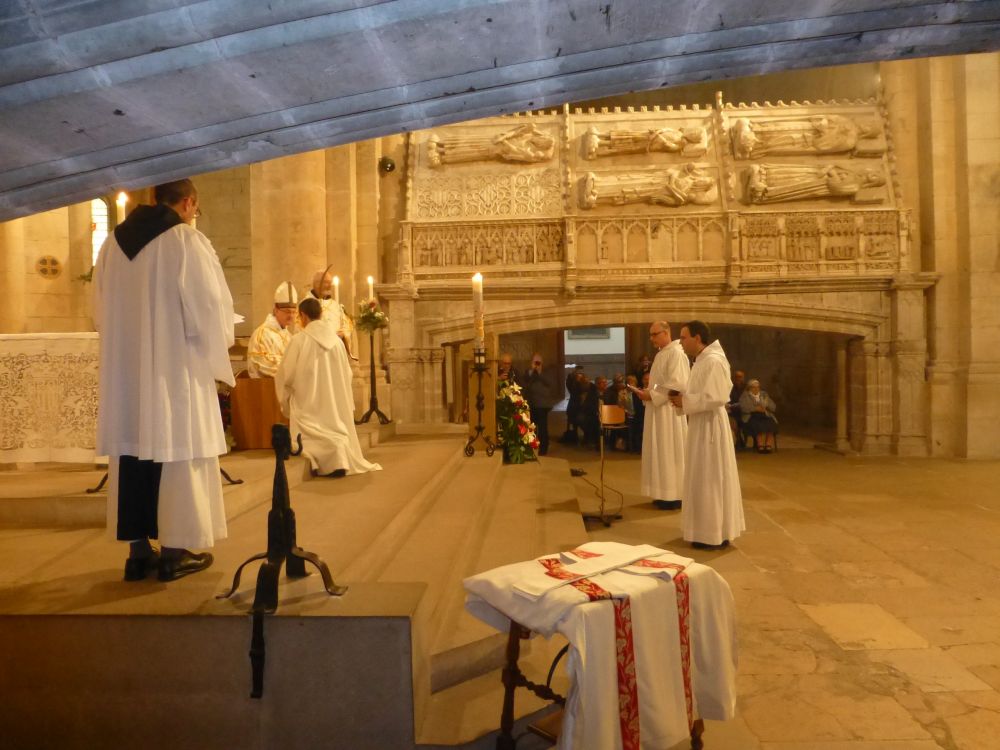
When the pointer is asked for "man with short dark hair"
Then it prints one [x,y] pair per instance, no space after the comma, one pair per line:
[165,315]
[313,385]
[712,515]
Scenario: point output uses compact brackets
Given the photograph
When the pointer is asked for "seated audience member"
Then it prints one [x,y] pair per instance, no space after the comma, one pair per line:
[733,407]
[645,365]
[757,415]
[634,412]
[267,344]
[313,384]
[572,436]
[588,415]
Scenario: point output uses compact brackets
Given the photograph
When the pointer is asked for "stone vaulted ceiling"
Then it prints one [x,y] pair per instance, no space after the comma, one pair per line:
[97,95]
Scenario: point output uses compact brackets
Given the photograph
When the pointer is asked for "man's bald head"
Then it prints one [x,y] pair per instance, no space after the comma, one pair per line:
[659,333]
[323,283]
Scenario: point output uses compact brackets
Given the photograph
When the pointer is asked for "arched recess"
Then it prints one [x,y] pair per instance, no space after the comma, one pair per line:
[864,400]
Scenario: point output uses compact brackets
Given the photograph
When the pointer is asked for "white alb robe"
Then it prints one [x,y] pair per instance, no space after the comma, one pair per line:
[664,430]
[166,324]
[313,385]
[591,719]
[267,347]
[713,501]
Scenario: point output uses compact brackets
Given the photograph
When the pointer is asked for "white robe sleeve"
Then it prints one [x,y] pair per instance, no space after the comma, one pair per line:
[671,375]
[714,389]
[206,303]
[98,280]
[284,378]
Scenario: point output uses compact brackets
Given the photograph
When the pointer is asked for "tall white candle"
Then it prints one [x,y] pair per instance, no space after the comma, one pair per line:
[477,310]
[122,201]
[371,288]
[336,289]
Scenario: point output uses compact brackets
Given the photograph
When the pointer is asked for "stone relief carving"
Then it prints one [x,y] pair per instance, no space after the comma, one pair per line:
[478,244]
[50,404]
[452,197]
[881,234]
[777,183]
[796,135]
[676,186]
[685,141]
[523,144]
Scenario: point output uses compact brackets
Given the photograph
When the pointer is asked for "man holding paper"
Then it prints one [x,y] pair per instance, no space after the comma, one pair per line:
[713,501]
[664,433]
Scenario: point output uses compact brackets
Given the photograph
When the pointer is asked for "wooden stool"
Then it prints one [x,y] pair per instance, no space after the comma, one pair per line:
[255,408]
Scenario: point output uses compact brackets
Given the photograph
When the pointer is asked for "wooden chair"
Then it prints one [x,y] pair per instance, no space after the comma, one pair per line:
[255,408]
[612,419]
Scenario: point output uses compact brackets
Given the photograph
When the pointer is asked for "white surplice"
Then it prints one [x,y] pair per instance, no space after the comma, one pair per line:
[313,385]
[713,501]
[591,718]
[664,430]
[267,347]
[166,324]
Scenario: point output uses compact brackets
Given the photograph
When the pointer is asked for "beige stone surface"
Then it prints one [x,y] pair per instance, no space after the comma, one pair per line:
[931,669]
[863,626]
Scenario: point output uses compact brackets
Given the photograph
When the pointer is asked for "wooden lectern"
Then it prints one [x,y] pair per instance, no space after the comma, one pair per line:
[255,408]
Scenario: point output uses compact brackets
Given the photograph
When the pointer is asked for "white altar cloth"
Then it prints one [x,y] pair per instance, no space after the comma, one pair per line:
[48,389]
[667,635]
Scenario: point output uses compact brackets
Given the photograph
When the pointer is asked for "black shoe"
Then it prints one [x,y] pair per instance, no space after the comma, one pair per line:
[667,504]
[138,568]
[702,545]
[172,568]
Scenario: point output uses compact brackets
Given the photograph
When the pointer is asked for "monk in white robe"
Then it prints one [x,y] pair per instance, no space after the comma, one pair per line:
[712,515]
[664,432]
[268,343]
[165,316]
[313,385]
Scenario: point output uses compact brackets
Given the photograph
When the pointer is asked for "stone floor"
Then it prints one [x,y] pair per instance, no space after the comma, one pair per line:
[866,594]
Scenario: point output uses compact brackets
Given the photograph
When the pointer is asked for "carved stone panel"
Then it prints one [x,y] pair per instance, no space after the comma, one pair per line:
[522,144]
[689,142]
[791,135]
[781,183]
[675,186]
[491,195]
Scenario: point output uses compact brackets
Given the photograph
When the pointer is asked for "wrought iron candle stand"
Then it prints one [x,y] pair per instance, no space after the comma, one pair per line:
[479,367]
[373,398]
[282,548]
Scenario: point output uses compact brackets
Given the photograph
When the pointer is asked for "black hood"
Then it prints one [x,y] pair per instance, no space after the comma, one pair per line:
[144,225]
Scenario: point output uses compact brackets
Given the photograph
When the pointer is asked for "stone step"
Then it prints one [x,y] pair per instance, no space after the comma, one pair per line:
[536,513]
[56,498]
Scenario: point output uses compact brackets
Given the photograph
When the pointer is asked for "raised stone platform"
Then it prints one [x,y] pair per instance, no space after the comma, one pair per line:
[169,663]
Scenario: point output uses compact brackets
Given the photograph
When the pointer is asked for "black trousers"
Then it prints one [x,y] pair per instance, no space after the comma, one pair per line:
[540,416]
[138,498]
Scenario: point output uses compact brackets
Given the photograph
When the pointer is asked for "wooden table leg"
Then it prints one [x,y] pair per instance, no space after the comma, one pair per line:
[505,741]
[697,730]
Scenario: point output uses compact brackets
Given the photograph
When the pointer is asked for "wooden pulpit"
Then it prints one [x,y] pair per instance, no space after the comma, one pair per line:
[254,407]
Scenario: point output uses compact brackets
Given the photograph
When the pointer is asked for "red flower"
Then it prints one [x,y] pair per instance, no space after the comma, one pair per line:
[523,430]
[534,444]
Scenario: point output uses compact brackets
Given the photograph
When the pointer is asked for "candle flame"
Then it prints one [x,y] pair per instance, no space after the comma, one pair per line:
[122,198]
[478,277]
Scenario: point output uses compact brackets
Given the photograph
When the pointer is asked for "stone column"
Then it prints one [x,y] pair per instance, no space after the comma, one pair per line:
[288,225]
[977,84]
[909,358]
[841,443]
[12,276]
[858,394]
